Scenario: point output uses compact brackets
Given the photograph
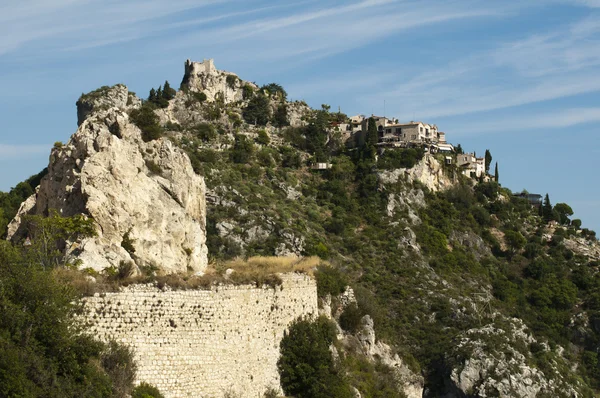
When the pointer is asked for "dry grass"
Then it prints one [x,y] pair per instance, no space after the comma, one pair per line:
[273,265]
[256,271]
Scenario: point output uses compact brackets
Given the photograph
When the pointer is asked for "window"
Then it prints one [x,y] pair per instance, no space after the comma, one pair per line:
[414,137]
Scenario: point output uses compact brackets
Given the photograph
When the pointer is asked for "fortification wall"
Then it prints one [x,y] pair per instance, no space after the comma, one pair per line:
[204,343]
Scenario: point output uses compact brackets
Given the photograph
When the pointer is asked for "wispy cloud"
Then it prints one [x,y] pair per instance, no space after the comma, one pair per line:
[537,68]
[69,23]
[541,121]
[11,152]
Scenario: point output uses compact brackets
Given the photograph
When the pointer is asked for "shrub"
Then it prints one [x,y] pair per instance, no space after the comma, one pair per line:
[330,280]
[205,131]
[118,362]
[200,97]
[350,318]
[306,367]
[247,91]
[231,80]
[257,111]
[242,150]
[400,158]
[145,390]
[263,138]
[147,121]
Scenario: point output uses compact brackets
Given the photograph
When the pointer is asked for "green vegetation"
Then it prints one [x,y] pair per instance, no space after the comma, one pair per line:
[145,390]
[44,350]
[161,97]
[257,111]
[10,201]
[306,367]
[275,89]
[147,121]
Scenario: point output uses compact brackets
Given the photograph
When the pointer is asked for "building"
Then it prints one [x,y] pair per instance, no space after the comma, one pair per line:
[380,121]
[471,165]
[356,123]
[533,199]
[415,132]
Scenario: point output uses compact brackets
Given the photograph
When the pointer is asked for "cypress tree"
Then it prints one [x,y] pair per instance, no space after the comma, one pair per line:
[547,209]
[488,161]
[496,172]
[372,135]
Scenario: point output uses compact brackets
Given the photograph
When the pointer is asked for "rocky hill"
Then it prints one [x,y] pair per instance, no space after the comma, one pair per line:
[458,286]
[147,203]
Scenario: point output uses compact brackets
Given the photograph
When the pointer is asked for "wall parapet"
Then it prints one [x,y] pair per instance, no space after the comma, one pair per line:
[204,343]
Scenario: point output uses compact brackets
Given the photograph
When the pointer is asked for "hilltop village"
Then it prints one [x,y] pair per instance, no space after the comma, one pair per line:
[221,241]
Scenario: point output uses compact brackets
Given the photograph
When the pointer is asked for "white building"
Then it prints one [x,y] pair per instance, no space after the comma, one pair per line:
[471,165]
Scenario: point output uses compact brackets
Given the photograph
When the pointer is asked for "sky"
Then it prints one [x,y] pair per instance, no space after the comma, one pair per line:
[518,77]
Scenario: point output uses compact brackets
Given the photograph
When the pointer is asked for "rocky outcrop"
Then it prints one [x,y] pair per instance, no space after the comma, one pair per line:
[428,171]
[147,203]
[216,84]
[104,98]
[486,363]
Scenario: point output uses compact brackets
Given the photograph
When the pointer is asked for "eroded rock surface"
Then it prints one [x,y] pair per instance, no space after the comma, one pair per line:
[145,193]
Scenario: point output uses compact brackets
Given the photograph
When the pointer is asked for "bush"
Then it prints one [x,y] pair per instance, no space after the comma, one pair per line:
[257,111]
[400,158]
[330,280]
[306,367]
[242,150]
[145,390]
[147,121]
[118,362]
[350,318]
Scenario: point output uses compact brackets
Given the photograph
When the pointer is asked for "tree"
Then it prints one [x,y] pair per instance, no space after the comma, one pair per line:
[280,118]
[306,367]
[50,236]
[275,89]
[44,352]
[168,92]
[147,121]
[564,212]
[258,111]
[242,150]
[515,240]
[547,210]
[458,149]
[372,134]
[496,176]
[576,223]
[488,161]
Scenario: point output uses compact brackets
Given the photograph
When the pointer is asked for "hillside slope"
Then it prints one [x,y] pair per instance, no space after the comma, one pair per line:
[477,290]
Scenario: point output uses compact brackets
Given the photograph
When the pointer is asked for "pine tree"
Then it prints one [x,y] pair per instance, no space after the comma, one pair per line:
[168,92]
[547,213]
[488,161]
[152,95]
[496,172]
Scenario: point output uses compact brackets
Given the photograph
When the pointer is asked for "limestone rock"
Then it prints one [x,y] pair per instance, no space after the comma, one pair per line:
[204,77]
[483,369]
[146,190]
[428,171]
[105,98]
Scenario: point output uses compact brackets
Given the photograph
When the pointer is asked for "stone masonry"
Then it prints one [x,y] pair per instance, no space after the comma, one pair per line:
[204,343]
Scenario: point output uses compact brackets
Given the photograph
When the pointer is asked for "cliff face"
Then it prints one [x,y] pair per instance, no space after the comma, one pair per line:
[145,193]
[428,171]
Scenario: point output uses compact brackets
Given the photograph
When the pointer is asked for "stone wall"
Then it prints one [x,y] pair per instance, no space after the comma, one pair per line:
[204,343]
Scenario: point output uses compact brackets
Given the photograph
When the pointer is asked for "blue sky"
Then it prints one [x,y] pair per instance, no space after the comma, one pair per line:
[521,78]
